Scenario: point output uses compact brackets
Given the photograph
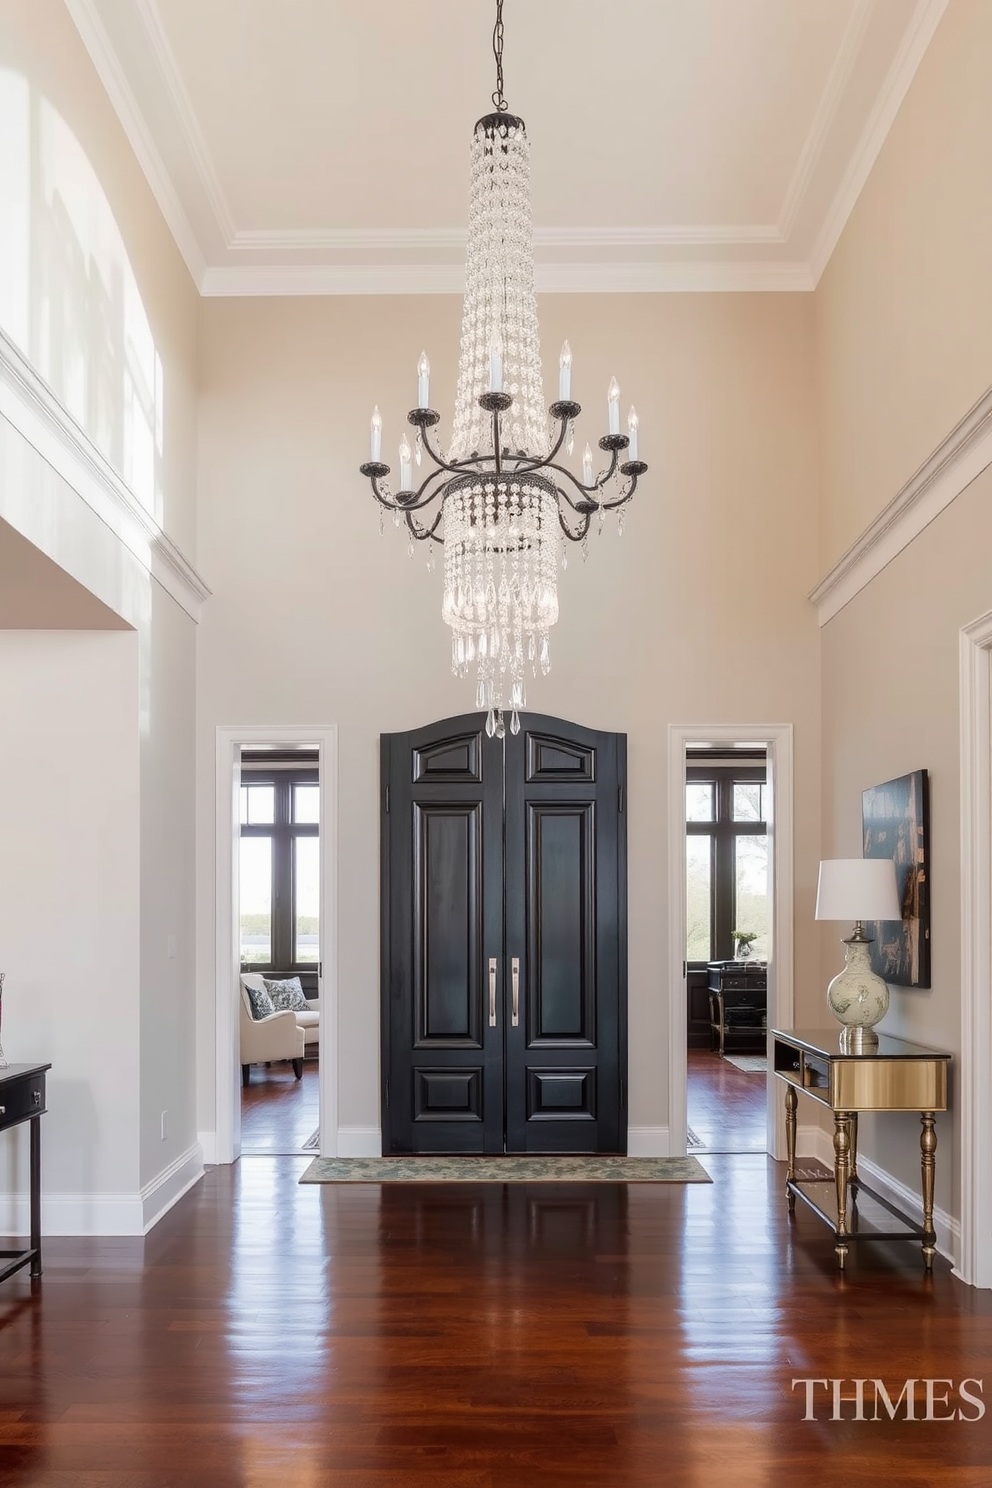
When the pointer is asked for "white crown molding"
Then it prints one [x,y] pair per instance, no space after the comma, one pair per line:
[916,39]
[954,464]
[826,112]
[562,278]
[454,239]
[604,276]
[165,60]
[32,408]
[94,37]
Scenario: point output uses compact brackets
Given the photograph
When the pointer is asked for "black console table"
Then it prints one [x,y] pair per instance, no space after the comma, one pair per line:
[738,992]
[22,1098]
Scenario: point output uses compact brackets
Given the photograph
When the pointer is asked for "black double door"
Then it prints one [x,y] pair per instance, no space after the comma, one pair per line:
[504,929]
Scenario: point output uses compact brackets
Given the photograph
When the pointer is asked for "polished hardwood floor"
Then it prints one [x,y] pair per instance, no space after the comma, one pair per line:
[279,1112]
[726,1106]
[482,1336]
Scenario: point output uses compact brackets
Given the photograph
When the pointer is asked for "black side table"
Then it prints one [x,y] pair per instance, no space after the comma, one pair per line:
[22,1098]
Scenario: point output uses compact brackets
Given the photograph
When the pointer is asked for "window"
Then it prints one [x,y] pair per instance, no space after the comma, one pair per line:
[280,870]
[726,857]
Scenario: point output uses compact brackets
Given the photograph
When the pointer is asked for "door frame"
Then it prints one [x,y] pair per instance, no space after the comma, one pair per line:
[777,741]
[227,952]
[974,1260]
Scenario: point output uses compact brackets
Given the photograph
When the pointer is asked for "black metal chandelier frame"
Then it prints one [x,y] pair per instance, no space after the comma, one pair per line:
[504,465]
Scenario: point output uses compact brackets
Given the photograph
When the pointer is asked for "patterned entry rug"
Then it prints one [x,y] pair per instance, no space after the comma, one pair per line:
[751,1064]
[505,1170]
[312,1142]
[691,1140]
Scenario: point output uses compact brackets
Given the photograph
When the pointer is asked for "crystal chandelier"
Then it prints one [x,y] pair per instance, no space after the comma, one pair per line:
[499,501]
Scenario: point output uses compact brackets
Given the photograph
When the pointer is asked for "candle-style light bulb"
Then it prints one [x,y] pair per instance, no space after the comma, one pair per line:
[633,423]
[565,374]
[375,442]
[587,466]
[406,465]
[495,365]
[423,381]
[613,404]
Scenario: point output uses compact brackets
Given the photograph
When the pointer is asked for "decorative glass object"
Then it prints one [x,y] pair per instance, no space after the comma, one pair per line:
[504,501]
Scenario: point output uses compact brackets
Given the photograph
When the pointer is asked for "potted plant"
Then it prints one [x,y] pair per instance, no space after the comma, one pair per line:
[744,942]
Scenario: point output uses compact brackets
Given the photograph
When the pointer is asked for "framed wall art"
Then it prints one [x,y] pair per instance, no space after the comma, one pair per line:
[895,820]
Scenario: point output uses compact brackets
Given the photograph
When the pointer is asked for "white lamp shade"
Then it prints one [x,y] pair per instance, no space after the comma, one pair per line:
[857,889]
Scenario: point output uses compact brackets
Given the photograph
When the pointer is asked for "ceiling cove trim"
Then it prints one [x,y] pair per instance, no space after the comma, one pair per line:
[32,408]
[589,278]
[952,467]
[826,113]
[165,60]
[93,35]
[455,239]
[916,39]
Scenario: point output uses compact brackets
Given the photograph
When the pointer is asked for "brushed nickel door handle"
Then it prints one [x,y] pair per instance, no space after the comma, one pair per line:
[492,992]
[515,981]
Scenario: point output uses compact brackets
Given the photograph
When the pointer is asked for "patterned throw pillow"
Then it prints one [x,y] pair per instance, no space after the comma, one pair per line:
[259,1000]
[287,992]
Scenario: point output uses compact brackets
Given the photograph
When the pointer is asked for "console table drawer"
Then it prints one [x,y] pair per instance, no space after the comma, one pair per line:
[22,1097]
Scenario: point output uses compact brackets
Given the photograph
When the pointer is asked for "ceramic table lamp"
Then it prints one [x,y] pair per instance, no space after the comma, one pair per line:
[858,889]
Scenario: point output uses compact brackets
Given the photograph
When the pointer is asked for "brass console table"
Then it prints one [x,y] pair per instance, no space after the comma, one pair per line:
[898,1076]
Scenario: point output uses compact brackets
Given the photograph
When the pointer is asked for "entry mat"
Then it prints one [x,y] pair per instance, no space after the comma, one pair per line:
[506,1170]
[751,1064]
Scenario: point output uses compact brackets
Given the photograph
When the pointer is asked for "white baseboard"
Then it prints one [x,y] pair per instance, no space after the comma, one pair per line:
[649,1141]
[104,1213]
[359,1141]
[208,1146]
[158,1196]
[74,1214]
[821,1146]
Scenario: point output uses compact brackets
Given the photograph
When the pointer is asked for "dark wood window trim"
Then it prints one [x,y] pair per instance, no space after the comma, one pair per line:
[283,832]
[722,832]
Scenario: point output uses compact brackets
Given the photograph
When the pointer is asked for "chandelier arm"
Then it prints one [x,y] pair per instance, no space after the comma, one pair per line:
[583,526]
[453,467]
[423,533]
[416,500]
[632,470]
[588,492]
[565,413]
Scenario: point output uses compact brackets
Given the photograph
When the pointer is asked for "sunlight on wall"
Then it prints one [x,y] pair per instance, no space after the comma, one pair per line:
[68,296]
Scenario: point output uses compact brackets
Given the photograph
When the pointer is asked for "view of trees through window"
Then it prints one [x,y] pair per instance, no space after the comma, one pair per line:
[726,860]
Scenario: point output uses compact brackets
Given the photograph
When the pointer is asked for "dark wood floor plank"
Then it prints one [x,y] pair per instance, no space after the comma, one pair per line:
[479,1335]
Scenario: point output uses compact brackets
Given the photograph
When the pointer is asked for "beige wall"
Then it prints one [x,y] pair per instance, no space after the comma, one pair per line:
[904,349]
[698,615]
[93,289]
[890,691]
[904,309]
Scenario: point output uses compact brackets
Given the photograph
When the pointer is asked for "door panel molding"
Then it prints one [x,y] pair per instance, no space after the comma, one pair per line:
[503,1000]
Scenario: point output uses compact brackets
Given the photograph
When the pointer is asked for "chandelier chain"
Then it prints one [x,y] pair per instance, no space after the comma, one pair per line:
[498,99]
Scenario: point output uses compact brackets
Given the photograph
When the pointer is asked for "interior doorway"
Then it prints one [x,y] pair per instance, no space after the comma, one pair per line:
[726,946]
[733,741]
[313,748]
[280,948]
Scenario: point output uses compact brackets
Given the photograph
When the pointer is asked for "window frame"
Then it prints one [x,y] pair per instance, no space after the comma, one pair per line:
[723,831]
[283,832]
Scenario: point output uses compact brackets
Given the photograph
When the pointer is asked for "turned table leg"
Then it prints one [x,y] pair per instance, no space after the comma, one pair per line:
[791,1101]
[928,1167]
[842,1163]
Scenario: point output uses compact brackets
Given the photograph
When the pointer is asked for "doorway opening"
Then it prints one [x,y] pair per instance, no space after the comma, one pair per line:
[726,947]
[279,930]
[730,810]
[276,962]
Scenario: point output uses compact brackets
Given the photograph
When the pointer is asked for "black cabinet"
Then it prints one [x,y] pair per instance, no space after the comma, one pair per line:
[738,997]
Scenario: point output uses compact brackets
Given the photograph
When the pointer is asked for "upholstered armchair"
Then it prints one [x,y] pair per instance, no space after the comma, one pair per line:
[278,1036]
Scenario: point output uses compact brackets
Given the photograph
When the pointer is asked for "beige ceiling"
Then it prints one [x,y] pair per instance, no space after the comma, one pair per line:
[322,145]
